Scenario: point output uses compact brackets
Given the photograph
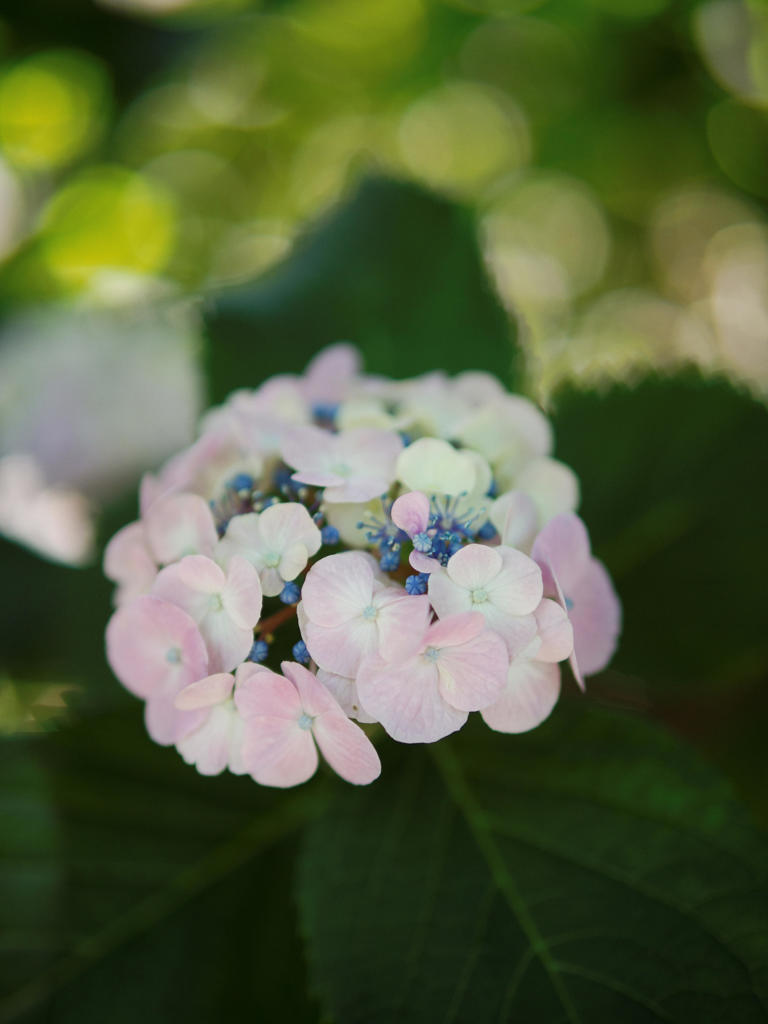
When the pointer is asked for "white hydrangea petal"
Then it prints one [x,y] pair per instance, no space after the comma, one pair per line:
[436,467]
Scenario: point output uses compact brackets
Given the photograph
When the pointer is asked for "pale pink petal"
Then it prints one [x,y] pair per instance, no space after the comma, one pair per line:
[308,447]
[212,746]
[329,374]
[473,675]
[337,588]
[318,478]
[406,699]
[201,574]
[562,548]
[454,630]
[596,618]
[515,517]
[286,524]
[228,644]
[172,586]
[357,489]
[178,525]
[341,648]
[241,596]
[531,693]
[474,566]
[447,597]
[518,588]
[346,748]
[555,631]
[423,563]
[315,698]
[165,723]
[261,692]
[127,559]
[205,692]
[371,448]
[517,631]
[344,690]
[410,512]
[402,621]
[151,644]
[278,752]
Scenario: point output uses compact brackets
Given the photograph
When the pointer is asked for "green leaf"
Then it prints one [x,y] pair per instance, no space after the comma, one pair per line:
[396,270]
[133,888]
[593,870]
[674,474]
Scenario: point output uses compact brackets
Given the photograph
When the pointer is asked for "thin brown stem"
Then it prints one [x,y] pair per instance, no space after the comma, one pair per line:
[270,624]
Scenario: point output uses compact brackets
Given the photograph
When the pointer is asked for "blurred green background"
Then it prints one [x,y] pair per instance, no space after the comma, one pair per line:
[196,194]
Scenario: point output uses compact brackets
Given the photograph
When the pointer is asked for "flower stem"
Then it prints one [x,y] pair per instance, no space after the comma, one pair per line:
[270,624]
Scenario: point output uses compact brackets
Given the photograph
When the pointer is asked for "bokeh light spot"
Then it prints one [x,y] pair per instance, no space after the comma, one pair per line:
[52,108]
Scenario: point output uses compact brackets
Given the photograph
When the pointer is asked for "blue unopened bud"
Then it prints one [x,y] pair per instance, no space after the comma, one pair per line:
[300,652]
[241,482]
[389,561]
[330,535]
[290,593]
[259,651]
[325,411]
[417,584]
[423,543]
[487,531]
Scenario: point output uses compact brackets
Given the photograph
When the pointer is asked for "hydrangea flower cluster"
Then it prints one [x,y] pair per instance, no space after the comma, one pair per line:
[413,544]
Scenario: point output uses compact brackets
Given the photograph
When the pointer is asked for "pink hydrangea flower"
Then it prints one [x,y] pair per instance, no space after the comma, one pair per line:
[331,374]
[583,587]
[344,690]
[155,649]
[533,678]
[460,666]
[226,607]
[353,466]
[410,513]
[177,525]
[278,542]
[348,614]
[217,742]
[504,585]
[287,717]
[129,563]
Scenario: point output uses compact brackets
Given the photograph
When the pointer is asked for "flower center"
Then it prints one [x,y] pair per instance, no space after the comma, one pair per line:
[341,469]
[369,613]
[305,722]
[216,603]
[173,655]
[272,560]
[479,596]
[432,654]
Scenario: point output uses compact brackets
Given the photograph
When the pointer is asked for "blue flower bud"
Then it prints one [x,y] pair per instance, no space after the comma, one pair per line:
[241,482]
[300,652]
[417,584]
[423,543]
[259,651]
[389,561]
[290,594]
[330,535]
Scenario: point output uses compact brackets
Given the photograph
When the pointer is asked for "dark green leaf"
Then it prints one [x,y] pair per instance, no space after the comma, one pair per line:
[674,475]
[132,888]
[593,870]
[395,270]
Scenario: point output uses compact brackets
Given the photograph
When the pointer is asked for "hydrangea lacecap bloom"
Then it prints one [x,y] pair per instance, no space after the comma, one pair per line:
[414,543]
